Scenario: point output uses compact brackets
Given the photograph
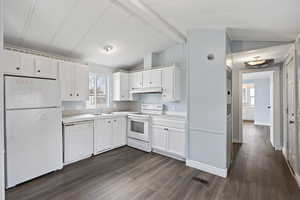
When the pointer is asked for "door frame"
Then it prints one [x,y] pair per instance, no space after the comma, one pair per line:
[292,53]
[276,104]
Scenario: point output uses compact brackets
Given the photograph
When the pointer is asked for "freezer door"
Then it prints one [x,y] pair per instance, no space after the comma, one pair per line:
[22,92]
[33,144]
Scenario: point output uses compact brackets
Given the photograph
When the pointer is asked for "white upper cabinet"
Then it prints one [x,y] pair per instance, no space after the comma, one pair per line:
[171,84]
[74,80]
[81,83]
[136,80]
[152,79]
[45,67]
[66,71]
[121,86]
[11,62]
[28,65]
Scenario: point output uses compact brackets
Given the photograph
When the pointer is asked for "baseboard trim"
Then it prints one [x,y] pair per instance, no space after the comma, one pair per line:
[236,141]
[293,173]
[171,155]
[207,168]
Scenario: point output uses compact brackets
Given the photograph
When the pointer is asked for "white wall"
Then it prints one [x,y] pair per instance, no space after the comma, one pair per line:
[207,101]
[262,100]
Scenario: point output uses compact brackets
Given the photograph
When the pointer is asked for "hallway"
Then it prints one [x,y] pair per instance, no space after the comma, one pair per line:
[263,171]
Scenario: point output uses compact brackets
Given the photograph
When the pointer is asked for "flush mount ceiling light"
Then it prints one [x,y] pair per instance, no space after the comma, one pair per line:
[108,49]
[258,62]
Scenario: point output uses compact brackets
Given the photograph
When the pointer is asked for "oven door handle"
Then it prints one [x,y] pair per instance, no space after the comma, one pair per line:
[137,119]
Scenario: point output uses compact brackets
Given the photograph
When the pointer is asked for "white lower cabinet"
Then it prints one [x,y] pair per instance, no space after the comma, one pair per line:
[168,141]
[119,128]
[109,134]
[78,141]
[159,138]
[102,135]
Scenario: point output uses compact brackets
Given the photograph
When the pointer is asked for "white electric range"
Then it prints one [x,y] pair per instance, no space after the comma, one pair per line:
[139,126]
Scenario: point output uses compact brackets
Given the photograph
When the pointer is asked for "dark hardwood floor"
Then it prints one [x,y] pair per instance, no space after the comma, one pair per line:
[258,172]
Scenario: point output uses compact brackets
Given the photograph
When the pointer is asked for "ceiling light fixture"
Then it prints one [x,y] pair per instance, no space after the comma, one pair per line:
[259,62]
[108,49]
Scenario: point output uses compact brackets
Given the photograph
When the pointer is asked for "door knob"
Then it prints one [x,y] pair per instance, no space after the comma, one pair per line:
[292,122]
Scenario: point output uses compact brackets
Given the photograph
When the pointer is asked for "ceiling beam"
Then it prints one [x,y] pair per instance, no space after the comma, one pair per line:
[140,10]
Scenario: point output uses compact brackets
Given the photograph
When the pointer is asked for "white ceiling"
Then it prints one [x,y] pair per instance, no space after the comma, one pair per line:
[255,20]
[278,53]
[79,28]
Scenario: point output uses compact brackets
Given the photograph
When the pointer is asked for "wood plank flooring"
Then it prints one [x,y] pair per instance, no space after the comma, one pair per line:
[258,172]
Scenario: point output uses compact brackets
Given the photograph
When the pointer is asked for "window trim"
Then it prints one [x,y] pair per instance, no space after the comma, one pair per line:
[108,92]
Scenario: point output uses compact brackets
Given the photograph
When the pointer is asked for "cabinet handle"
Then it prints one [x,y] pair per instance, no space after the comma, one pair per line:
[18,68]
[71,95]
[77,95]
[166,129]
[109,122]
[38,70]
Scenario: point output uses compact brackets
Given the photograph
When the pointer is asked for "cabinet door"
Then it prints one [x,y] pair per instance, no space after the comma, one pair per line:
[152,78]
[78,141]
[124,87]
[159,138]
[167,84]
[11,62]
[155,78]
[103,135]
[120,86]
[146,79]
[116,87]
[176,142]
[45,67]
[119,132]
[66,77]
[136,80]
[27,64]
[81,83]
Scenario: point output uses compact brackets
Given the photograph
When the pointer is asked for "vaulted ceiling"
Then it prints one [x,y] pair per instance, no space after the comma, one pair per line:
[80,28]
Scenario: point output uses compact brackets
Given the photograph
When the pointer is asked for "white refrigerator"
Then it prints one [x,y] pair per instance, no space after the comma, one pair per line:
[33,128]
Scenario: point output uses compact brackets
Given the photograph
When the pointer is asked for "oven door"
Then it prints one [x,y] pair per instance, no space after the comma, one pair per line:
[138,128]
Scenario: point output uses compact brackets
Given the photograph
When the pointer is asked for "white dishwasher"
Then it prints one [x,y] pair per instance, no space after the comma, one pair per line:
[78,141]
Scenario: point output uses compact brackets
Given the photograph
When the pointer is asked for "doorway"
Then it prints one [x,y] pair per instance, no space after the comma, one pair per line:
[290,129]
[257,106]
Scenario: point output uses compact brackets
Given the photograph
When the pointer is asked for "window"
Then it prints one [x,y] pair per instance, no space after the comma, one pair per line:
[98,91]
[249,94]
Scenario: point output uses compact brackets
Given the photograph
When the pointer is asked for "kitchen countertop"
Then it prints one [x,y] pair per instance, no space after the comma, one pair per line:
[89,117]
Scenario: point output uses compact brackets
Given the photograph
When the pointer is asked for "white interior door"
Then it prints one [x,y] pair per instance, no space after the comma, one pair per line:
[291,114]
